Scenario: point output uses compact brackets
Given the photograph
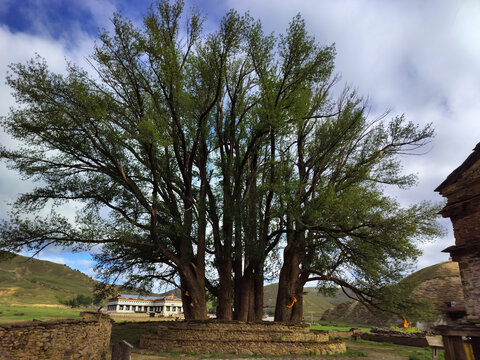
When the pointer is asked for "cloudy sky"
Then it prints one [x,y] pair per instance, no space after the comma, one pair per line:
[412,57]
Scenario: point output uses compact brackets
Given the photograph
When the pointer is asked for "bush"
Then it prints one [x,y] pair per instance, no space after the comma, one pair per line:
[79,300]
[411,329]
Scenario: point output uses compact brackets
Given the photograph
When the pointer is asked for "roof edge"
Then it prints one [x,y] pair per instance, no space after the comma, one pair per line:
[457,173]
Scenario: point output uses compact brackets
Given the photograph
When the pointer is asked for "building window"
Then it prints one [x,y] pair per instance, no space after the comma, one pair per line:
[161,308]
[151,308]
[168,308]
[121,307]
[127,307]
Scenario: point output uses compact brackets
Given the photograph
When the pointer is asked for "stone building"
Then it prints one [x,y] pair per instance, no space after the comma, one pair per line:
[462,190]
[131,304]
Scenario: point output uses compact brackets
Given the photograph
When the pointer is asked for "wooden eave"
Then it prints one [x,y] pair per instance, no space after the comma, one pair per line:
[456,174]
[469,246]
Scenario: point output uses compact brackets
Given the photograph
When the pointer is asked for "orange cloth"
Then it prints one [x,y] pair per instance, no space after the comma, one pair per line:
[405,323]
[293,302]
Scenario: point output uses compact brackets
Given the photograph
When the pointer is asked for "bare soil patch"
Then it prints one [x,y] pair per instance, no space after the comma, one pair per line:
[7,291]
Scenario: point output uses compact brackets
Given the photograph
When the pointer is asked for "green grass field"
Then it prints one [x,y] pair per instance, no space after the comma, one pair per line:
[23,313]
[337,328]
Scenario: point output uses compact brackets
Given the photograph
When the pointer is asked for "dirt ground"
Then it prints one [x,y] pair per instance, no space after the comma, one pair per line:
[370,350]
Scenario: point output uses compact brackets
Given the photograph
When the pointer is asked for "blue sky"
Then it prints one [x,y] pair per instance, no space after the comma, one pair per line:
[418,58]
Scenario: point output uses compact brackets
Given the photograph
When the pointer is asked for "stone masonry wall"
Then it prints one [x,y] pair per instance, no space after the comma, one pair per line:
[396,339]
[470,270]
[85,339]
[462,190]
[242,338]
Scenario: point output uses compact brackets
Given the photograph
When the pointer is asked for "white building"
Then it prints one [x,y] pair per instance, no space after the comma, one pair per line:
[131,304]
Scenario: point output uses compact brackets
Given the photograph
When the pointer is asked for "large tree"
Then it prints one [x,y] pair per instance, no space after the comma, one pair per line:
[193,152]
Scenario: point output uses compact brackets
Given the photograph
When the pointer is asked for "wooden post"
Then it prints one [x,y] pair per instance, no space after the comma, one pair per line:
[454,349]
[435,343]
[122,351]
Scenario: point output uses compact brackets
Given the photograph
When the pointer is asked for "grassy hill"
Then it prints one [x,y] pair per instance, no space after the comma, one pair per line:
[437,271]
[26,281]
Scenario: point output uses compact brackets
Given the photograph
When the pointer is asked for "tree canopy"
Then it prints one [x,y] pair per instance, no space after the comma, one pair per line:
[199,157]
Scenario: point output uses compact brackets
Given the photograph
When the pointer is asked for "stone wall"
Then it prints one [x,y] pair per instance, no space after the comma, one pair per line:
[85,339]
[240,338]
[344,334]
[470,270]
[418,341]
[462,190]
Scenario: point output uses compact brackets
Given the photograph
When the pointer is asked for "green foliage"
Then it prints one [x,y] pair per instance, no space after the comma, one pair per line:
[410,329]
[269,312]
[79,301]
[397,299]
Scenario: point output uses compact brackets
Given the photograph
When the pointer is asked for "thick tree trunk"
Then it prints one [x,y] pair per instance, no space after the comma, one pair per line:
[286,285]
[258,291]
[193,295]
[297,309]
[237,264]
[251,301]
[224,308]
[244,295]
[288,276]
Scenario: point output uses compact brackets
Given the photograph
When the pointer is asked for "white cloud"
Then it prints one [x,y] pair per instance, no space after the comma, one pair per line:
[417,58]
[101,10]
[20,47]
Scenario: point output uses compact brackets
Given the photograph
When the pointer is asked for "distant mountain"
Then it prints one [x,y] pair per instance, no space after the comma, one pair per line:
[440,283]
[30,281]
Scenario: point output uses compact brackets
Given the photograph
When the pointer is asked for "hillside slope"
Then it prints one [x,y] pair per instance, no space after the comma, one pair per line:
[30,281]
[439,283]
[314,303]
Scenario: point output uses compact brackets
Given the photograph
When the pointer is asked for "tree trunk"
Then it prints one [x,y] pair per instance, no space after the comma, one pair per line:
[297,310]
[224,308]
[258,291]
[244,295]
[288,277]
[193,294]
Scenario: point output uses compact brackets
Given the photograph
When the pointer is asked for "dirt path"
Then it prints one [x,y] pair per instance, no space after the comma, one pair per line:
[370,350]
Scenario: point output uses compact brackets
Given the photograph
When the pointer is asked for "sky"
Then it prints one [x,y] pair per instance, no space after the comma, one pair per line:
[419,58]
